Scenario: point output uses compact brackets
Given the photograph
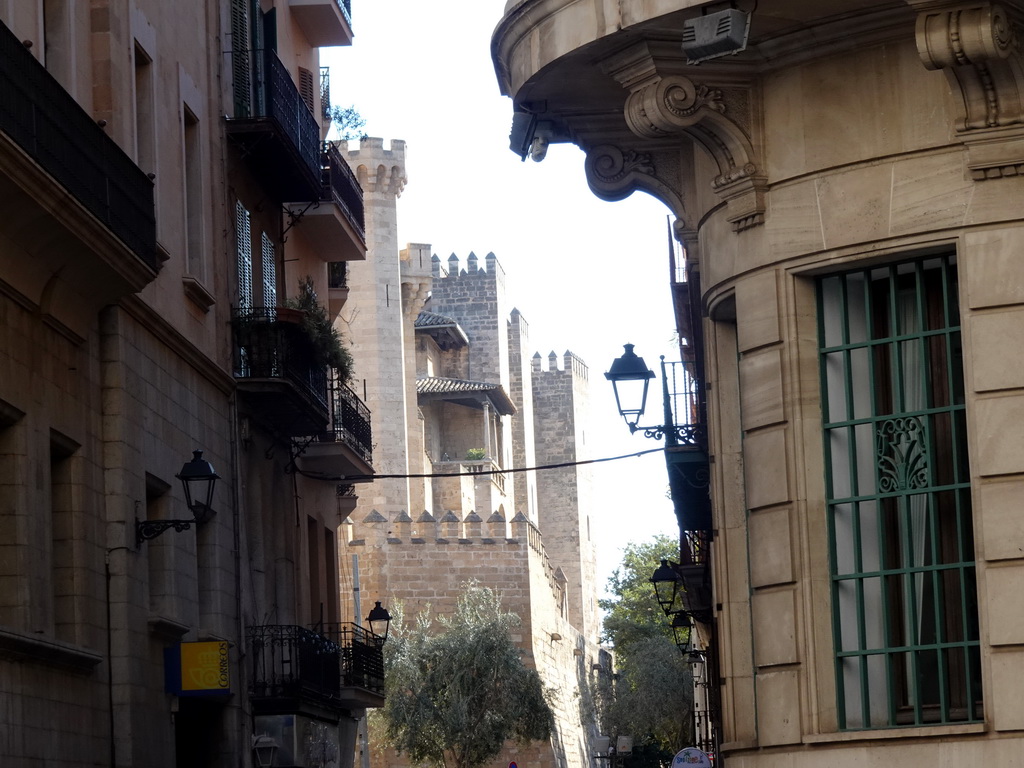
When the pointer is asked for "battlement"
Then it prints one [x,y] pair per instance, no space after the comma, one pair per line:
[571,364]
[416,260]
[449,528]
[428,538]
[379,170]
[517,321]
[450,271]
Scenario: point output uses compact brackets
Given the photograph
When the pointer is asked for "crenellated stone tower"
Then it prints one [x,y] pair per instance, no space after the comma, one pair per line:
[374,324]
[524,453]
[561,404]
[445,365]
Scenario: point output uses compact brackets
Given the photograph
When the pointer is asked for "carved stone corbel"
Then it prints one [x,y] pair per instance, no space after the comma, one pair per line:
[674,105]
[978,47]
[614,173]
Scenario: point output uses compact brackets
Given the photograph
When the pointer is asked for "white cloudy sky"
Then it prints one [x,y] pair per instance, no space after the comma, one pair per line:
[587,275]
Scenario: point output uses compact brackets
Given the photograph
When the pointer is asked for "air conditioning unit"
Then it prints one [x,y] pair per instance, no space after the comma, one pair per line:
[716,34]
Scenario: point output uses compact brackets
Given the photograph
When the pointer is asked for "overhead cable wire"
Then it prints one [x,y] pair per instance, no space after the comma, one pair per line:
[562,465]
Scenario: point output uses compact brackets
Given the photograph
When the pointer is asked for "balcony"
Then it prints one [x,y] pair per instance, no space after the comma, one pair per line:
[293,669]
[324,22]
[689,469]
[278,375]
[335,224]
[278,136]
[90,196]
[345,449]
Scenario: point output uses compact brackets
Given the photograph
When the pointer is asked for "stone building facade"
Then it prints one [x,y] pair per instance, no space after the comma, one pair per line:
[472,405]
[847,190]
[165,190]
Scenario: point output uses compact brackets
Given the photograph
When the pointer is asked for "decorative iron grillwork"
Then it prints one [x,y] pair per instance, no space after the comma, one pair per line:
[49,125]
[902,455]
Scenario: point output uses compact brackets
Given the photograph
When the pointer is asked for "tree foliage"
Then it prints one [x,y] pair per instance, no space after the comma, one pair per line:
[349,122]
[454,696]
[652,699]
[632,614]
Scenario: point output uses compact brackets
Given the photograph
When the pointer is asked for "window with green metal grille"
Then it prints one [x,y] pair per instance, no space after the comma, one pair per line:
[904,597]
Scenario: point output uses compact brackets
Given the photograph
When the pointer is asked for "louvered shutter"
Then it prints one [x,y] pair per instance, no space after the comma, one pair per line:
[269,266]
[307,88]
[243,233]
[241,77]
[259,60]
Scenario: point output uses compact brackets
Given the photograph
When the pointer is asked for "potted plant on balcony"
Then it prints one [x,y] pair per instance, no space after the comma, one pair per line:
[328,346]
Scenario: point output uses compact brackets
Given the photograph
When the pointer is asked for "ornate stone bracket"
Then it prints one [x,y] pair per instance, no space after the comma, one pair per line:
[615,173]
[667,106]
[978,47]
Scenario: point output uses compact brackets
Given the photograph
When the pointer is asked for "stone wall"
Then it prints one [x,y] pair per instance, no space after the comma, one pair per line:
[561,404]
[426,564]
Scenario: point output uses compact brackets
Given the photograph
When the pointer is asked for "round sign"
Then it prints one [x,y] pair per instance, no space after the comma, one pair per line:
[512,765]
[691,757]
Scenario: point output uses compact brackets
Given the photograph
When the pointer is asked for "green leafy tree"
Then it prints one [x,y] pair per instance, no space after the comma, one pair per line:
[349,122]
[454,696]
[652,699]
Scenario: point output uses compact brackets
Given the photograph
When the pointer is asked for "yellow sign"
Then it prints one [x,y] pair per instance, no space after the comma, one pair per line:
[204,667]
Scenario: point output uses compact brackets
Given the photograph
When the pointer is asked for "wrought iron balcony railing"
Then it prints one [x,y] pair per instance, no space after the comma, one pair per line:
[292,662]
[325,93]
[346,9]
[362,656]
[50,126]
[291,665]
[280,134]
[341,187]
[268,350]
[350,422]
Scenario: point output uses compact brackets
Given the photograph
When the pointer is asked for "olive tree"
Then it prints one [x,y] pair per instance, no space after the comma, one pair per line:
[456,692]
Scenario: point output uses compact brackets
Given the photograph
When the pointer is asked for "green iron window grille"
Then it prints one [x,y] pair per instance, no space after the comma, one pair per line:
[904,595]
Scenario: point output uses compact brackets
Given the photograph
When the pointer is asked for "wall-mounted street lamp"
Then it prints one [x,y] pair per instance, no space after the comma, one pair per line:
[631,378]
[264,748]
[198,479]
[686,583]
[666,581]
[379,621]
[681,631]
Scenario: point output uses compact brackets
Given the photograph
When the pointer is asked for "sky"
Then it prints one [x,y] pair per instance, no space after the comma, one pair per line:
[587,275]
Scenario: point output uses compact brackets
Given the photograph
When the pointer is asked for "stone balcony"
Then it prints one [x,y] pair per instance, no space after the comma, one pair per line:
[334,223]
[324,22]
